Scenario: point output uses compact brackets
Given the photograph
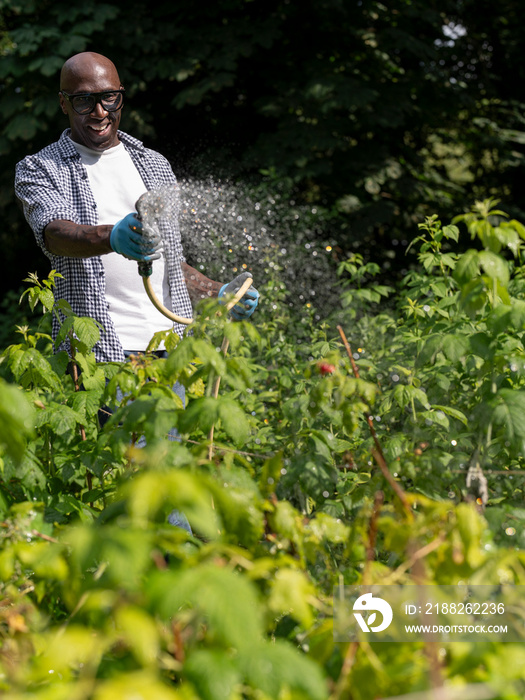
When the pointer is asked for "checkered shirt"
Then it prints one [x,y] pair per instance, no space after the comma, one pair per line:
[53,184]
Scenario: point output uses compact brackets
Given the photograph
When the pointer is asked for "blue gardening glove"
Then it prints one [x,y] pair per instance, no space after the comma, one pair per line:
[126,239]
[247,305]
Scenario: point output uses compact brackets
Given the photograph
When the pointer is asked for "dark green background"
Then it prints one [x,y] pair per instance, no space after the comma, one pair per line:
[373,113]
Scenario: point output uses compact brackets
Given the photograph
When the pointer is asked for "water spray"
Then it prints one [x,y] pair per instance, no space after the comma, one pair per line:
[163,203]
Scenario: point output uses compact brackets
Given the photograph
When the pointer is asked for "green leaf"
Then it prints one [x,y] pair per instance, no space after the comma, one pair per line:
[504,318]
[276,668]
[200,413]
[452,412]
[233,420]
[128,685]
[291,593]
[397,446]
[226,600]
[62,419]
[87,331]
[436,416]
[240,513]
[467,267]
[139,632]
[44,558]
[271,473]
[23,126]
[214,674]
[507,236]
[404,394]
[508,410]
[474,296]
[517,315]
[454,347]
[152,495]
[451,232]
[470,526]
[429,351]
[16,420]
[30,367]
[324,528]
[62,653]
[86,403]
[59,362]
[321,449]
[125,551]
[480,345]
[287,521]
[495,266]
[518,227]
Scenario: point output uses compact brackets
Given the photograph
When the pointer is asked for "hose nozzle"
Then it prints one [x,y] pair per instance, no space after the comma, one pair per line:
[151,207]
[145,268]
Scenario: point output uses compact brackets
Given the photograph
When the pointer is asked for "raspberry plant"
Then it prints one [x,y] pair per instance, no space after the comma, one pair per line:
[385,444]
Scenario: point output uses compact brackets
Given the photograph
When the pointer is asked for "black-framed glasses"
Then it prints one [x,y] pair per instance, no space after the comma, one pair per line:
[85,102]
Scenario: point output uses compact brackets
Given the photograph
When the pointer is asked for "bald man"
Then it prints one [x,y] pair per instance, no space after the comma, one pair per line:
[79,197]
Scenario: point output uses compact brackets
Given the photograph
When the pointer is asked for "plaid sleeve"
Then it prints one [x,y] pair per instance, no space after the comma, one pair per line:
[42,197]
[53,185]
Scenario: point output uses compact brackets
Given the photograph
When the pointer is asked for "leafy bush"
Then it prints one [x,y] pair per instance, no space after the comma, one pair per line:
[385,444]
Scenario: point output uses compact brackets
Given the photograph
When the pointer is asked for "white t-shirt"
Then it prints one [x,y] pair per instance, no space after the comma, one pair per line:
[116,186]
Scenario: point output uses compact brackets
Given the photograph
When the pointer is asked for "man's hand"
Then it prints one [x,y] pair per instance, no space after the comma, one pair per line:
[247,305]
[126,239]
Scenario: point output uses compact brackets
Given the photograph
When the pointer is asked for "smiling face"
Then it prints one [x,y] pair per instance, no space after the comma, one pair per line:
[90,72]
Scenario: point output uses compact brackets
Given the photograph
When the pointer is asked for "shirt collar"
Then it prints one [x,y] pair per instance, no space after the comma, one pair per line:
[71,152]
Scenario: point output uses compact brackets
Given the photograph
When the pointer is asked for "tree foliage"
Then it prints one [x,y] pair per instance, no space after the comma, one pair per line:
[378,113]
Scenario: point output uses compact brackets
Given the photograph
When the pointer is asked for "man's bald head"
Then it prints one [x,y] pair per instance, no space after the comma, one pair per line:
[88,66]
[91,73]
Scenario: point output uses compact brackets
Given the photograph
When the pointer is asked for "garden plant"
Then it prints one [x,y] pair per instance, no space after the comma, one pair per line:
[382,444]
